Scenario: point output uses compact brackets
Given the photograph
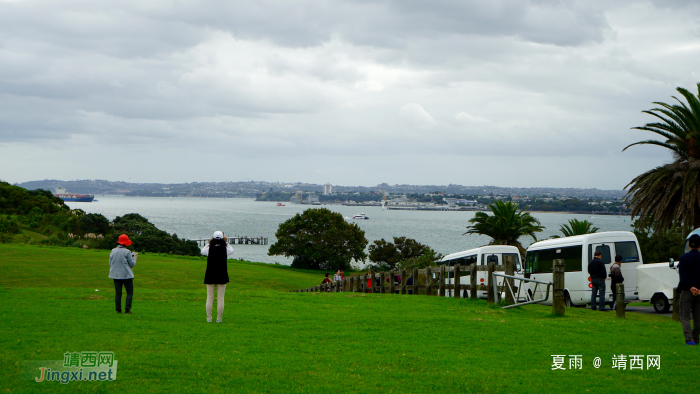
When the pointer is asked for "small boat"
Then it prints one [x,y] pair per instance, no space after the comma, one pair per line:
[360,216]
[279,204]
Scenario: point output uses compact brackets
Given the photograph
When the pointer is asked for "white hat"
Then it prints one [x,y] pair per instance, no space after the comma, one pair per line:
[218,235]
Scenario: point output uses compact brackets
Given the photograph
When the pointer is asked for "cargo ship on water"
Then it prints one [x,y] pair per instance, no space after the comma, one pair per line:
[65,196]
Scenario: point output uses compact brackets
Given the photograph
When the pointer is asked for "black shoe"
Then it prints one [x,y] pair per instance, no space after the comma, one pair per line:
[119,312]
[128,313]
[602,310]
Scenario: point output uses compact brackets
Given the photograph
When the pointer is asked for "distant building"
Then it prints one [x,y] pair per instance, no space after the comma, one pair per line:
[327,189]
[312,199]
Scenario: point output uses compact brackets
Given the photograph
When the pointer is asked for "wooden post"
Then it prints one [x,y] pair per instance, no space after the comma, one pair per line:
[558,300]
[441,285]
[472,281]
[676,312]
[357,282]
[415,282]
[391,282]
[508,283]
[382,277]
[457,282]
[620,307]
[490,296]
[428,281]
[403,281]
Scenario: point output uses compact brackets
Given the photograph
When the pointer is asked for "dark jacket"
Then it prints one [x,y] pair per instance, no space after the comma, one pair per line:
[596,269]
[217,272]
[689,270]
[616,274]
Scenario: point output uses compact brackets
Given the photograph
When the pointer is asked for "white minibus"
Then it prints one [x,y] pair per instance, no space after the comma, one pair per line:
[480,256]
[576,252]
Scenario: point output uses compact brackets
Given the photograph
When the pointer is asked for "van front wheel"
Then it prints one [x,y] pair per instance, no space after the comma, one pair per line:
[660,303]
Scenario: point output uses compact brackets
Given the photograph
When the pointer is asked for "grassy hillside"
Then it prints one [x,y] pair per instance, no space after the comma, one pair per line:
[275,341]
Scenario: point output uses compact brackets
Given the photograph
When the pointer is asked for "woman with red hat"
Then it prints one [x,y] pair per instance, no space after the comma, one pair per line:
[216,276]
[121,263]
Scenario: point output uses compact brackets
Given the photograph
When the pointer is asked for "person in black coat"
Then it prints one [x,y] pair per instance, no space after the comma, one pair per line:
[689,288]
[596,269]
[216,276]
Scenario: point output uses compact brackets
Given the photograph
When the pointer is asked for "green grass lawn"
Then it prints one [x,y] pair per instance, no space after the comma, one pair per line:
[272,340]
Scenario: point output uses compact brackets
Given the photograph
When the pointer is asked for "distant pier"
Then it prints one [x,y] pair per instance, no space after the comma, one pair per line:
[237,240]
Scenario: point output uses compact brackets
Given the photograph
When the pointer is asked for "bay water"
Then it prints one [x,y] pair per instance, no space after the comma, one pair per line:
[195,218]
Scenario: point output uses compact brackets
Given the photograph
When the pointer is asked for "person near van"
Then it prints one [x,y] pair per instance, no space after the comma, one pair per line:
[615,278]
[121,264]
[216,275]
[596,269]
[689,286]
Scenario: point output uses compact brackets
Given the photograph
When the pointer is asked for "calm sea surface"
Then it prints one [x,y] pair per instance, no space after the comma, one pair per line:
[194,218]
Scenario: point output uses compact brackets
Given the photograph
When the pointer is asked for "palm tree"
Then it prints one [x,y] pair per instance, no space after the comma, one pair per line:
[577,227]
[670,193]
[506,225]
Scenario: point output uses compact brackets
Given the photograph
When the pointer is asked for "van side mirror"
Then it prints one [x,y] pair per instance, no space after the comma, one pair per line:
[671,263]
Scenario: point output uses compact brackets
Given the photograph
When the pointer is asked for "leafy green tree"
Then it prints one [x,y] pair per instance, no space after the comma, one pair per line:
[670,193]
[391,254]
[505,225]
[94,223]
[659,246]
[319,239]
[429,258]
[577,227]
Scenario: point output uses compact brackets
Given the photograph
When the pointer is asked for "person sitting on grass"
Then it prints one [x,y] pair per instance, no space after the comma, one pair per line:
[325,280]
[216,276]
[689,286]
[121,263]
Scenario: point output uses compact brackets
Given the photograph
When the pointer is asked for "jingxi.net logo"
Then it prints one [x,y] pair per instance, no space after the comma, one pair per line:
[76,366]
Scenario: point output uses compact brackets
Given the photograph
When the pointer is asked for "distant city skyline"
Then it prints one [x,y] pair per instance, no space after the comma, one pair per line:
[251,188]
[507,92]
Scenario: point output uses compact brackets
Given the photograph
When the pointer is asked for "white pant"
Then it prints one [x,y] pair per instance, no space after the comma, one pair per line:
[219,302]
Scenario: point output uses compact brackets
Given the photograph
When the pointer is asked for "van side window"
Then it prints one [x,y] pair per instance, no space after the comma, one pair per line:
[542,261]
[485,258]
[470,260]
[605,251]
[628,251]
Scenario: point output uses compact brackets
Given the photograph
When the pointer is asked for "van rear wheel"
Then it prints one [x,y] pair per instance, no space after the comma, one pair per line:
[660,303]
[567,300]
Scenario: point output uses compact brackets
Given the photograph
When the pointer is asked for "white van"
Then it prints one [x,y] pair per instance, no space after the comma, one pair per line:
[480,256]
[656,281]
[577,252]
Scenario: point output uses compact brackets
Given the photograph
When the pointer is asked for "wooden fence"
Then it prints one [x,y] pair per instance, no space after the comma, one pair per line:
[424,282]
[436,286]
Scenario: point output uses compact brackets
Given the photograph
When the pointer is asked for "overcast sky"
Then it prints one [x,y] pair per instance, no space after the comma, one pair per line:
[499,92]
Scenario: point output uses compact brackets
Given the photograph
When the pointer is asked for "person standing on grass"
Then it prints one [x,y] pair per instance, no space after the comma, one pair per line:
[596,269]
[121,263]
[615,278]
[689,286]
[216,276]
